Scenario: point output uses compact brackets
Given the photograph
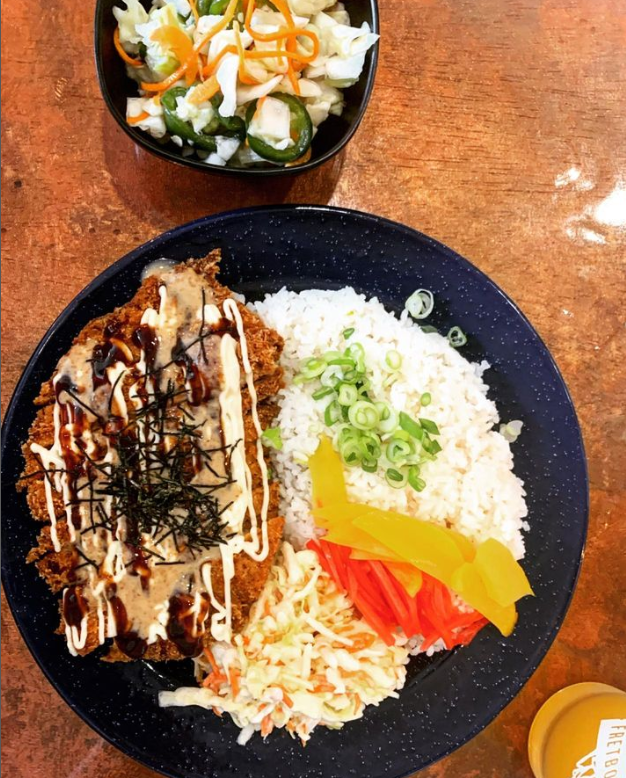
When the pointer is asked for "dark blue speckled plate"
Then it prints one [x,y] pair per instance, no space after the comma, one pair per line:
[448,699]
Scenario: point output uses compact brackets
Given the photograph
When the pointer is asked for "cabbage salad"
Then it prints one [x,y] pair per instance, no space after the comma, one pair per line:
[239,82]
[305,659]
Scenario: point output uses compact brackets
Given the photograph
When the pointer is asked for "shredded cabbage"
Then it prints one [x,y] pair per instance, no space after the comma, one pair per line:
[128,20]
[304,659]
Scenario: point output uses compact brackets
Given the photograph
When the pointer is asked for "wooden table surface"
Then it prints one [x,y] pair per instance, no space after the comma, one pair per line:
[496,126]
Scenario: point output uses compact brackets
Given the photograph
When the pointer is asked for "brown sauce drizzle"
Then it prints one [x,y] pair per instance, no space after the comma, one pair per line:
[183,622]
[127,640]
[185,627]
[75,606]
[146,338]
[106,354]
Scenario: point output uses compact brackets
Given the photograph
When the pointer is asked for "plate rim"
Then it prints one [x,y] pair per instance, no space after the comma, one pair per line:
[542,646]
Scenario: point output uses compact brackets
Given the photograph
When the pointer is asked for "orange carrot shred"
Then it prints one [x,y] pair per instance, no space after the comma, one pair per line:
[136,63]
[137,119]
[193,57]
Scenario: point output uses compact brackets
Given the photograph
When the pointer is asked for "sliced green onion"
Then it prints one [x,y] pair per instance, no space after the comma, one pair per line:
[312,367]
[425,399]
[348,332]
[410,426]
[323,392]
[431,446]
[456,337]
[512,430]
[429,426]
[414,480]
[369,465]
[396,478]
[350,452]
[351,376]
[420,304]
[388,424]
[332,413]
[343,361]
[398,450]
[369,443]
[271,437]
[347,394]
[383,410]
[428,329]
[356,352]
[331,376]
[363,415]
[393,359]
[389,380]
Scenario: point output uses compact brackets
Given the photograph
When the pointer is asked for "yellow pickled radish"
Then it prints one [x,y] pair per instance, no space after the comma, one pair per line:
[466,547]
[338,514]
[349,535]
[326,470]
[503,576]
[468,584]
[426,546]
[409,577]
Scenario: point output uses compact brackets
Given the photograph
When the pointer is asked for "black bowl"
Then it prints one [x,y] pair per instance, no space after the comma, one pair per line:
[448,698]
[332,136]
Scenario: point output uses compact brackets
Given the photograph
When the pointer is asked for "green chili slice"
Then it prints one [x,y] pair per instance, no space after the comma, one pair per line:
[300,127]
[177,126]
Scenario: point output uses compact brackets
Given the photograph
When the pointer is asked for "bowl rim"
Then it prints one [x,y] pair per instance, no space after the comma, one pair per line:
[539,651]
[145,141]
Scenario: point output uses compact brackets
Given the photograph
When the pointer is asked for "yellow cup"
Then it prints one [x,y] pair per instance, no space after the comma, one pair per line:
[580,732]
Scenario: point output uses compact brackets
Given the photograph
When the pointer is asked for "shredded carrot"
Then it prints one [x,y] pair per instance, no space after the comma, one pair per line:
[283,32]
[286,698]
[136,63]
[210,67]
[361,642]
[193,58]
[234,676]
[205,91]
[272,53]
[323,687]
[284,9]
[194,9]
[137,119]
[209,655]
[175,39]
[266,725]
[216,711]
[244,76]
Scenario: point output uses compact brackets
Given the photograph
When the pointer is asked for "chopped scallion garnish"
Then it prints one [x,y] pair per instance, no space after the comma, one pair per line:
[429,426]
[272,438]
[410,426]
[420,304]
[370,434]
[323,392]
[456,337]
[393,360]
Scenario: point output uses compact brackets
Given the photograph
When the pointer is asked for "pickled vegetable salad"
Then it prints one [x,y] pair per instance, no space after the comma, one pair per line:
[239,82]
[304,659]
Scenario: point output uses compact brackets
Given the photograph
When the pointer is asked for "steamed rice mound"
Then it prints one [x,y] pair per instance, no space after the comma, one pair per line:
[470,486]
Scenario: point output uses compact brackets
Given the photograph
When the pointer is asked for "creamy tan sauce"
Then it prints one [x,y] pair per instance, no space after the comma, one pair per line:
[150,585]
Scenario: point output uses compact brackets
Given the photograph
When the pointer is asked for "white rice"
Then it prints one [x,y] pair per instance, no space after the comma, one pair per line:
[471,484]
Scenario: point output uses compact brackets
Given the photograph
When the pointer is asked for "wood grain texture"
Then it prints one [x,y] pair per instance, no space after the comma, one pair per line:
[496,126]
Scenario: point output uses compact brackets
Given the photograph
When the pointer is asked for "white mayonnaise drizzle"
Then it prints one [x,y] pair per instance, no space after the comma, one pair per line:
[178,319]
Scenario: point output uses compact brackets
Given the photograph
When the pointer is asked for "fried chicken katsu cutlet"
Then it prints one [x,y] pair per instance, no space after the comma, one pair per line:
[145,466]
